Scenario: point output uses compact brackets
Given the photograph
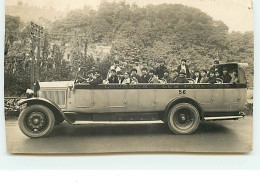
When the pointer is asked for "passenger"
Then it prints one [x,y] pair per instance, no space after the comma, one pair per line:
[204,78]
[134,76]
[137,67]
[184,68]
[175,75]
[97,79]
[218,77]
[192,73]
[120,77]
[216,67]
[160,69]
[182,77]
[153,78]
[145,77]
[115,67]
[212,78]
[166,78]
[234,78]
[90,76]
[113,78]
[127,79]
[226,77]
[197,77]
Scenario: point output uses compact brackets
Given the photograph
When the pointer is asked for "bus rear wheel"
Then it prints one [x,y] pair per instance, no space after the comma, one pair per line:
[183,118]
[36,121]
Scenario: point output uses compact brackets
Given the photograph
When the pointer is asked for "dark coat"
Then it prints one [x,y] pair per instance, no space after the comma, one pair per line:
[168,79]
[212,80]
[98,80]
[113,79]
[182,80]
[160,71]
[187,70]
[226,78]
[144,79]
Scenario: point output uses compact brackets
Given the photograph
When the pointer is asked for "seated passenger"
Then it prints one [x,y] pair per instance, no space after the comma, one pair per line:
[182,78]
[197,77]
[90,75]
[97,79]
[153,78]
[212,78]
[175,75]
[127,79]
[234,78]
[145,77]
[120,77]
[113,78]
[204,78]
[134,74]
[226,77]
[166,77]
[218,77]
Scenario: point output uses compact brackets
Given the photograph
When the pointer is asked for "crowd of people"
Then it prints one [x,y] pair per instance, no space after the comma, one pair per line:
[161,74]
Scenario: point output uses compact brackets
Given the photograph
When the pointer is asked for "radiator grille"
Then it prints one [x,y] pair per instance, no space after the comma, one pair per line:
[57,96]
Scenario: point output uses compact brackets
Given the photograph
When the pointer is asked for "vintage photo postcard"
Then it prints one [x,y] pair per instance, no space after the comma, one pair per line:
[117,76]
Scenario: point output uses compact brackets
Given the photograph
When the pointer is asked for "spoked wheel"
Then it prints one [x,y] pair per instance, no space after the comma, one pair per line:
[36,121]
[183,118]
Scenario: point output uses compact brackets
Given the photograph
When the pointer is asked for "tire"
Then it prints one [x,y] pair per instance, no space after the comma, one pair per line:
[36,121]
[183,118]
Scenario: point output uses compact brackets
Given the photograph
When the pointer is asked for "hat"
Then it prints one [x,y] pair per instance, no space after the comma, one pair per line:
[224,69]
[151,71]
[183,60]
[212,71]
[204,70]
[216,62]
[97,71]
[134,69]
[90,71]
[182,72]
[144,69]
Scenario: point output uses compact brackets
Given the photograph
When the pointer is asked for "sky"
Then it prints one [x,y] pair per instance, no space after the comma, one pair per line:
[237,14]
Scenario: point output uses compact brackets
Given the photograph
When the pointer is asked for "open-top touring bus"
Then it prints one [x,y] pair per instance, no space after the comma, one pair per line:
[181,106]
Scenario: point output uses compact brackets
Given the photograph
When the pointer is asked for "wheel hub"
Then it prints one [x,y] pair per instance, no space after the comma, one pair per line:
[36,121]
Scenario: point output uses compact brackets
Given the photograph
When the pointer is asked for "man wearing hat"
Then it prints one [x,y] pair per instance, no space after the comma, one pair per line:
[161,69]
[97,79]
[182,78]
[216,67]
[225,77]
[113,78]
[166,77]
[184,67]
[145,77]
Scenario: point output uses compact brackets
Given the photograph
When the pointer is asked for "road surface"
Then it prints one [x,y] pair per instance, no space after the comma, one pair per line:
[218,136]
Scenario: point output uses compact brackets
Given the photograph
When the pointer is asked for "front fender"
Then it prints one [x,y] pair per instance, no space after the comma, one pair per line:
[59,115]
[184,100]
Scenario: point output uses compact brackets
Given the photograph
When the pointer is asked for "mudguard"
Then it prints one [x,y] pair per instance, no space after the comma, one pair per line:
[58,113]
[184,100]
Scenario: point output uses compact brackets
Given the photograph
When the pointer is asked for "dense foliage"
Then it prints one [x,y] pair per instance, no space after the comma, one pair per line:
[168,32]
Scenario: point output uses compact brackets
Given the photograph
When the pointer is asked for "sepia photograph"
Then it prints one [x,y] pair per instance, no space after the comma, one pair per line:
[128,76]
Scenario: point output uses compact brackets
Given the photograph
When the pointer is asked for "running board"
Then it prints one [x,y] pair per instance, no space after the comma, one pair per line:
[116,122]
[223,118]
